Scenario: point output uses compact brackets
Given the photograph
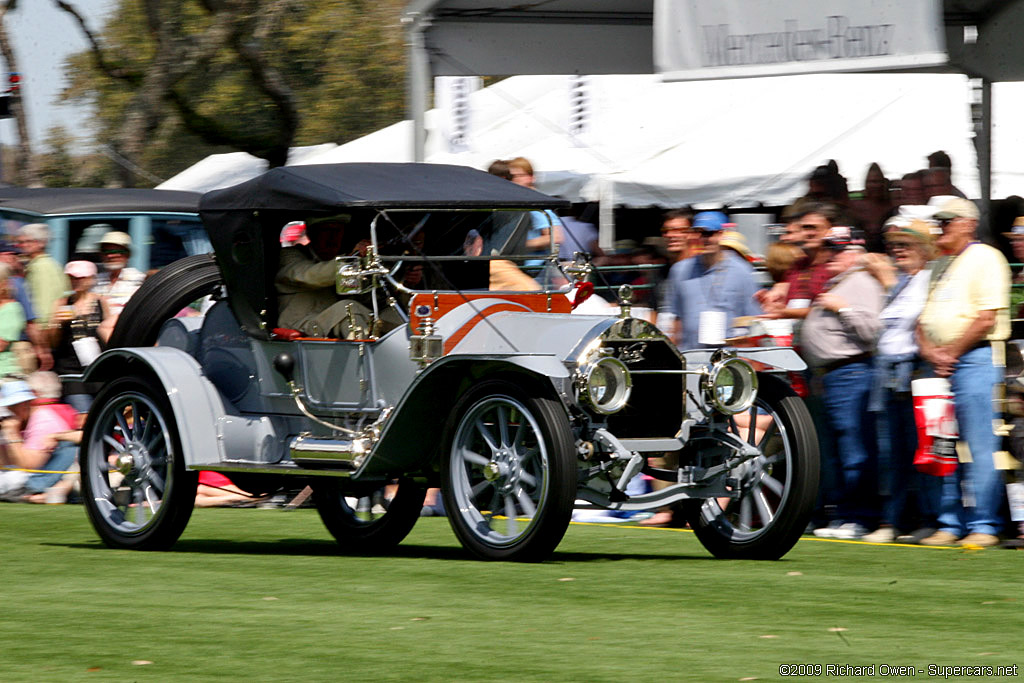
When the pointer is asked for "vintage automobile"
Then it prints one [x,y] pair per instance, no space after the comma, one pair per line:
[164,224]
[516,408]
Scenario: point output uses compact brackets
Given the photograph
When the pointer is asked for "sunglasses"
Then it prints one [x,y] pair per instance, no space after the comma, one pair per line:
[707,233]
[893,246]
[115,251]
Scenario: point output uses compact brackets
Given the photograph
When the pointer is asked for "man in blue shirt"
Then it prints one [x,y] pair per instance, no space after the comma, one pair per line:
[710,290]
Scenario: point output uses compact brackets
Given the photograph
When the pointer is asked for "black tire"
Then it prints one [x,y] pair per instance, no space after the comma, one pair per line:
[161,297]
[778,488]
[508,473]
[136,490]
[360,529]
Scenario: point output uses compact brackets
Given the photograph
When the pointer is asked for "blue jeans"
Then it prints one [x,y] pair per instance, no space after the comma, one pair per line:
[973,380]
[62,458]
[846,393]
[897,442]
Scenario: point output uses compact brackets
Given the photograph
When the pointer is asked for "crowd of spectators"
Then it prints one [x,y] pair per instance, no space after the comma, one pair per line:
[873,291]
[52,320]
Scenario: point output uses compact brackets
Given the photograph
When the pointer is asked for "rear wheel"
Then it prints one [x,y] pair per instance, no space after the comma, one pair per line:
[136,490]
[777,488]
[161,297]
[369,521]
[508,473]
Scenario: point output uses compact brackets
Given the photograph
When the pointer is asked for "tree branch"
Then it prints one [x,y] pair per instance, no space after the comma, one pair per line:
[118,72]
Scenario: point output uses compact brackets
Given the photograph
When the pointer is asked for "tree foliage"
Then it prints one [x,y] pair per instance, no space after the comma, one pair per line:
[175,80]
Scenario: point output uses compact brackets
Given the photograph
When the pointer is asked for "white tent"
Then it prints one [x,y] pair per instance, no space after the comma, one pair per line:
[224,170]
[737,142]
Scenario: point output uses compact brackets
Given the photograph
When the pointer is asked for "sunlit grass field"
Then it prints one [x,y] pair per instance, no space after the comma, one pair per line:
[265,595]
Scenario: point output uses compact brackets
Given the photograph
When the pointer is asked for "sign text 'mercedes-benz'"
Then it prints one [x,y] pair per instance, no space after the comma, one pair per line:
[836,38]
[700,39]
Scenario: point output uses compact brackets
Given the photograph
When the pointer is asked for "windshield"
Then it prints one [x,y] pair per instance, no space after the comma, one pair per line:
[455,249]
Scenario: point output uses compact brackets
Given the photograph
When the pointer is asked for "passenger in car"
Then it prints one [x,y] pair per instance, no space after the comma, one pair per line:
[305,283]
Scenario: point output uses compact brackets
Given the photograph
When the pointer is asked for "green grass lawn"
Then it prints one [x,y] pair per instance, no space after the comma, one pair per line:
[260,595]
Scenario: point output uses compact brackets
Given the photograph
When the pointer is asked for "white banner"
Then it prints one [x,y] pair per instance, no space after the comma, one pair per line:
[703,39]
[451,98]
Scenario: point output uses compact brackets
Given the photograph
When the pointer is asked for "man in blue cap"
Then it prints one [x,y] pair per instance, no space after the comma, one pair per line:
[710,290]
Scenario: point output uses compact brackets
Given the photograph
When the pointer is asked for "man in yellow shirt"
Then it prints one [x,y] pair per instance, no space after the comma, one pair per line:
[961,332]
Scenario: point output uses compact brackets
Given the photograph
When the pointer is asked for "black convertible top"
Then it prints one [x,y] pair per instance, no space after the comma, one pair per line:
[319,187]
[49,201]
[244,221]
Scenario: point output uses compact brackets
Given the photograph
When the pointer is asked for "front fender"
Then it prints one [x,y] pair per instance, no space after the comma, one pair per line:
[412,436]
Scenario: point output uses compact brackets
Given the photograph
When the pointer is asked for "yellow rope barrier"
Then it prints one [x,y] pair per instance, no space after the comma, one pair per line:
[23,469]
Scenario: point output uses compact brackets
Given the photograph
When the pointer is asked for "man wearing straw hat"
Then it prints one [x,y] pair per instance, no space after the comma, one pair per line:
[961,332]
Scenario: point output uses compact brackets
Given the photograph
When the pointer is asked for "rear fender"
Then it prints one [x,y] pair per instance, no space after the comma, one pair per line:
[210,431]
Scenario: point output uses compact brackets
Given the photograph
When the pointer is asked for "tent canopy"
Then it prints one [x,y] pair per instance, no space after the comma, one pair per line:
[737,142]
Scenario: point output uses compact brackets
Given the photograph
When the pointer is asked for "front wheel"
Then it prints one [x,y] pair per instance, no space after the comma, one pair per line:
[508,473]
[136,490]
[777,489]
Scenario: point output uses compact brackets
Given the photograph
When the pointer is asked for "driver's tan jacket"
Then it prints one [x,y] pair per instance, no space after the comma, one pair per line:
[305,288]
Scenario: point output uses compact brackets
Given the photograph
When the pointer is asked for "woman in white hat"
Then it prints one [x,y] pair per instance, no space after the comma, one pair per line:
[905,276]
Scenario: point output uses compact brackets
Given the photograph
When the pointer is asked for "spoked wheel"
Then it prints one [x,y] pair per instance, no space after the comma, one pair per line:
[161,297]
[136,490]
[371,521]
[508,473]
[777,488]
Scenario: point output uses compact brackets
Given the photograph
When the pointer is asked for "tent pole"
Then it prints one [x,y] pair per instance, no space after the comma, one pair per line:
[983,147]
[606,215]
[418,84]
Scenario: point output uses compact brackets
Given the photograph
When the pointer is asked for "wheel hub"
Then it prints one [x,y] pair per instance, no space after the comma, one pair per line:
[125,462]
[503,470]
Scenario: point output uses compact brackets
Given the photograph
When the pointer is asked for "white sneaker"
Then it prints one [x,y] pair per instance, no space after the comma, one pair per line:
[828,531]
[597,517]
[12,481]
[883,534]
[850,531]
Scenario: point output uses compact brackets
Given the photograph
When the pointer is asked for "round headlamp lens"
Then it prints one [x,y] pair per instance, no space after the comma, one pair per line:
[732,386]
[608,385]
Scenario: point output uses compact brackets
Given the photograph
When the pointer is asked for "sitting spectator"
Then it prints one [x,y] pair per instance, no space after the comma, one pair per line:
[80,317]
[216,490]
[118,281]
[41,434]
